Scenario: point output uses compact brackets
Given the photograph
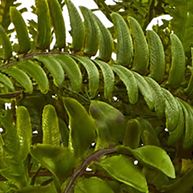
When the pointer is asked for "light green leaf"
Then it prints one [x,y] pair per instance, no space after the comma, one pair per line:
[155,157]
[24,131]
[72,70]
[50,126]
[123,170]
[93,184]
[82,126]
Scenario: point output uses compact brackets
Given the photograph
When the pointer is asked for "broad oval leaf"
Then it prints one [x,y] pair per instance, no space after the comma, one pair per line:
[155,157]
[93,184]
[110,123]
[123,170]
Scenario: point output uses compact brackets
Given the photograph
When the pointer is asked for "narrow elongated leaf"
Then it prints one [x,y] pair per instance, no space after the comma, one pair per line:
[44,25]
[141,52]
[109,78]
[21,77]
[124,41]
[93,74]
[82,126]
[36,72]
[188,126]
[72,70]
[60,161]
[171,110]
[21,30]
[105,41]
[77,27]
[129,80]
[183,122]
[13,166]
[155,157]
[57,22]
[145,90]
[91,38]
[53,67]
[93,184]
[159,101]
[50,126]
[7,48]
[24,131]
[6,81]
[123,170]
[10,138]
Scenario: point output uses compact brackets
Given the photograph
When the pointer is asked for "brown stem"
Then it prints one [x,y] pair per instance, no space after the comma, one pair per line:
[93,157]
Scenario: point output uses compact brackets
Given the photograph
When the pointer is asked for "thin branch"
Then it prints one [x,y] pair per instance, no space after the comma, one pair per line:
[93,157]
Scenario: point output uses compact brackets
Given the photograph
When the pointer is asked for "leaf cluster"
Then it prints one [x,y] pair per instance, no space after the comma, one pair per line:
[82,120]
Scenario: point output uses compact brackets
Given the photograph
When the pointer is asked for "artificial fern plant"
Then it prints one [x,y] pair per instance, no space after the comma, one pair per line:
[80,120]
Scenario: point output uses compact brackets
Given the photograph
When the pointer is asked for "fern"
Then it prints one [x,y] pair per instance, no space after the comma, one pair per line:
[75,70]
[182,24]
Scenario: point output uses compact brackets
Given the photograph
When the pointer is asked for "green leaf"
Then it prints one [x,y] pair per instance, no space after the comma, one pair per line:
[54,67]
[24,131]
[132,135]
[91,32]
[123,170]
[82,126]
[50,126]
[6,82]
[109,78]
[172,112]
[155,157]
[50,188]
[93,74]
[72,70]
[110,123]
[182,20]
[145,90]
[105,41]
[159,101]
[124,48]
[93,184]
[60,161]
[129,80]
[77,27]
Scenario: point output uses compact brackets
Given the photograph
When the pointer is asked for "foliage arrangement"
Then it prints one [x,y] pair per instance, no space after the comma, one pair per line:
[81,121]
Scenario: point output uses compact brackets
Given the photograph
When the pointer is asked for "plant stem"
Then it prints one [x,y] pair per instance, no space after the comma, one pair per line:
[93,157]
